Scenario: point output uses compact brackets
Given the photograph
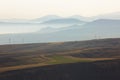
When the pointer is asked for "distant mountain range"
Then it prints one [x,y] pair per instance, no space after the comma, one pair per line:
[115,15]
[102,28]
[64,21]
[54,28]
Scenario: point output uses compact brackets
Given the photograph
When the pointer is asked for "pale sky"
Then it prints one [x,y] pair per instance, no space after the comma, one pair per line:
[28,9]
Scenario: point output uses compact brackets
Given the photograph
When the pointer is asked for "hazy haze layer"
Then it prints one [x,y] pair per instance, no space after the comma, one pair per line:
[36,8]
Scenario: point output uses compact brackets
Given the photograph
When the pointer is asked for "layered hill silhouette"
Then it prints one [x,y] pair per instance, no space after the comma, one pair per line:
[64,21]
[102,28]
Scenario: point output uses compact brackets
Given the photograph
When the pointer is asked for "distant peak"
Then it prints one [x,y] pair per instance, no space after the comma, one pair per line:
[105,20]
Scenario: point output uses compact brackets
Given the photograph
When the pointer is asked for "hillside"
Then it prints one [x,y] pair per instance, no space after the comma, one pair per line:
[28,55]
[100,70]
[61,46]
[95,59]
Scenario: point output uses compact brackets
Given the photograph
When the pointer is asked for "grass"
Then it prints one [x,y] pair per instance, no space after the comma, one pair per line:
[36,55]
[51,60]
[37,61]
[57,59]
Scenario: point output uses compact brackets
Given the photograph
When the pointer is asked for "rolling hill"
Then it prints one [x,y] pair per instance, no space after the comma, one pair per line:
[102,28]
[33,53]
[64,21]
[91,59]
[100,70]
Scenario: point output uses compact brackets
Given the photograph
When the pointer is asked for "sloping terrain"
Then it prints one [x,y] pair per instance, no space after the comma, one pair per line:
[29,60]
[60,46]
[101,70]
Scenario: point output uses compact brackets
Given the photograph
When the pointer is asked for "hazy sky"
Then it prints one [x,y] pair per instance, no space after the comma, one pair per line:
[37,8]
